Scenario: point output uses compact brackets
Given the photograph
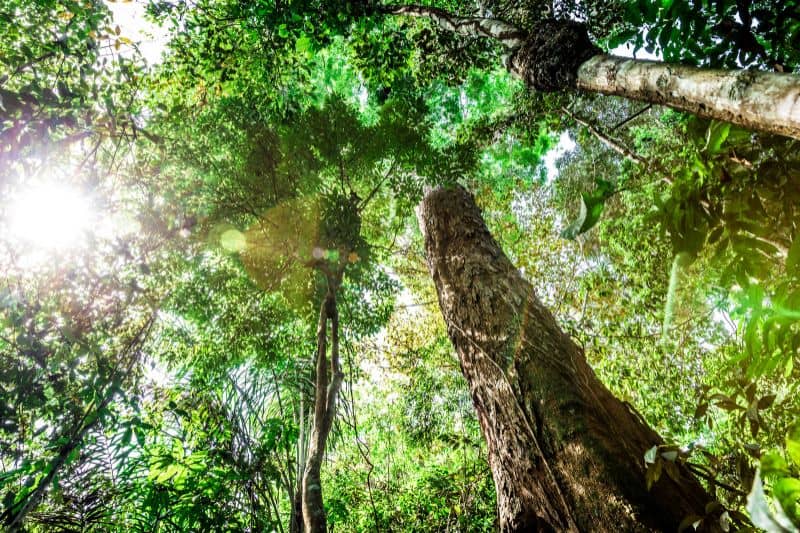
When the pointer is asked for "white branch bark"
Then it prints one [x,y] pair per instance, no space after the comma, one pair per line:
[509,35]
[764,101]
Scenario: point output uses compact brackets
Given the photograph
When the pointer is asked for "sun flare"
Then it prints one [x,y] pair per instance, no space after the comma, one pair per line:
[50,217]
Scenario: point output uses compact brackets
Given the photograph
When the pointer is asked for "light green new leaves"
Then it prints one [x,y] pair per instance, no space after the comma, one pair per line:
[793,444]
[591,208]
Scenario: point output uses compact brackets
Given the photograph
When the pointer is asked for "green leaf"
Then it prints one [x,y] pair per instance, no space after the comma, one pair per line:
[793,444]
[653,473]
[140,436]
[590,211]
[787,492]
[670,455]
[716,135]
[648,9]
[725,521]
[793,256]
[761,513]
[650,455]
[692,521]
[766,401]
[302,45]
[672,471]
[773,464]
[126,436]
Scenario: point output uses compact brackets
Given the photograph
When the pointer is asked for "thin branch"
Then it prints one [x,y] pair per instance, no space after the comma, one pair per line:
[605,139]
[696,470]
[377,187]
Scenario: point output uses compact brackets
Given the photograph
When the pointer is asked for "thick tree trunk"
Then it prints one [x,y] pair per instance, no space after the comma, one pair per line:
[565,454]
[327,392]
[558,55]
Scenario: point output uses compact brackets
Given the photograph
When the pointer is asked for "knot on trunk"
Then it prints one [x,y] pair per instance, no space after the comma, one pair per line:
[550,57]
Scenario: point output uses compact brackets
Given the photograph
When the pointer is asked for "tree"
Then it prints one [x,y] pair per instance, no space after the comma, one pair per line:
[259,180]
[557,55]
[565,454]
[61,77]
[343,228]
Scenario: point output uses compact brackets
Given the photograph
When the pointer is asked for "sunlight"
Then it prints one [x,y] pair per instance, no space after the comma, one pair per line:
[137,30]
[49,217]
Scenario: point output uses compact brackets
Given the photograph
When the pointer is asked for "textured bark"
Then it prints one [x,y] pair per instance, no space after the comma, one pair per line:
[296,516]
[509,35]
[296,495]
[559,55]
[764,101]
[565,454]
[327,392]
[549,58]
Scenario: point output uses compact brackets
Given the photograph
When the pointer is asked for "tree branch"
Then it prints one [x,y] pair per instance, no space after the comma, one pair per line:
[509,35]
[605,139]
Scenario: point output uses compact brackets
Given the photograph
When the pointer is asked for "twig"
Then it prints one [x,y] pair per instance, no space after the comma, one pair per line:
[605,139]
[625,121]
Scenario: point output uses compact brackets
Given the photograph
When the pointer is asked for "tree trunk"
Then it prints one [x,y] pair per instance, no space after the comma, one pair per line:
[296,492]
[565,454]
[324,411]
[296,516]
[558,55]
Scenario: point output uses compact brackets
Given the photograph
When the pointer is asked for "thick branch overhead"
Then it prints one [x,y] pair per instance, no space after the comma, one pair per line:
[509,35]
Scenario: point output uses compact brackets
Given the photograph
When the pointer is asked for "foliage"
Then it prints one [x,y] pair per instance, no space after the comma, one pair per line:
[160,378]
[61,76]
[782,472]
[717,33]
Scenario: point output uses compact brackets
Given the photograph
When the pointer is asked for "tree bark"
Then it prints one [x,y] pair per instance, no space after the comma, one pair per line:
[565,454]
[508,34]
[558,55]
[764,101]
[296,492]
[327,392]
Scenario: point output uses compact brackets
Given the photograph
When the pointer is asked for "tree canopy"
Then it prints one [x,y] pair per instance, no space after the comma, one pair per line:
[216,308]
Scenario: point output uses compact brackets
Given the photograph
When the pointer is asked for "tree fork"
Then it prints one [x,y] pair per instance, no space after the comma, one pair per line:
[565,454]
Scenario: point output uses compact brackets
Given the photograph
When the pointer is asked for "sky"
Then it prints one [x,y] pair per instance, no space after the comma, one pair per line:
[626,50]
[564,145]
[150,38]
